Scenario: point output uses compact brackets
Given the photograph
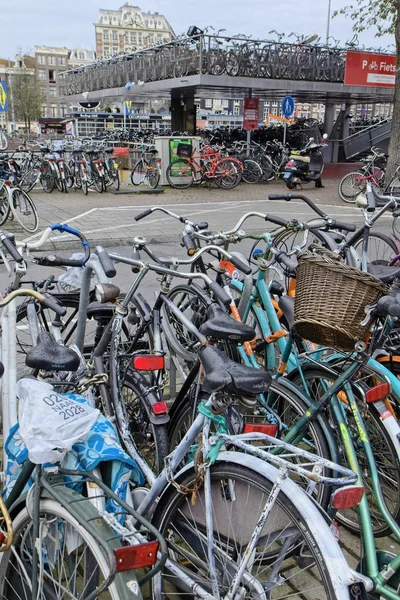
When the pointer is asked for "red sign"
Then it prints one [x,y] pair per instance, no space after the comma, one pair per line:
[373,70]
[250,114]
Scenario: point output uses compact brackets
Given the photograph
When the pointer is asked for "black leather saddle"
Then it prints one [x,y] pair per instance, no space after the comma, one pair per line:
[97,310]
[221,326]
[222,373]
[286,304]
[50,356]
[383,272]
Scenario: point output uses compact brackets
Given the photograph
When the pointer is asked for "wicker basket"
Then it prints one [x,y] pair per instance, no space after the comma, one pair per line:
[330,300]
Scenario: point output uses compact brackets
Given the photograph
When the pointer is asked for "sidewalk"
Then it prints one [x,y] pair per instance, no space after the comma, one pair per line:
[108,219]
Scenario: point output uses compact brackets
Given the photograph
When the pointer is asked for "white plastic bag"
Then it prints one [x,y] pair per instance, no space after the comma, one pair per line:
[71,279]
[50,423]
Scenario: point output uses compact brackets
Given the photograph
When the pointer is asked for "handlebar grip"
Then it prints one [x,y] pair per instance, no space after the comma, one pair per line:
[286,197]
[143,214]
[239,264]
[219,293]
[106,262]
[283,259]
[51,303]
[371,201]
[188,243]
[344,226]
[135,256]
[277,220]
[11,249]
[58,261]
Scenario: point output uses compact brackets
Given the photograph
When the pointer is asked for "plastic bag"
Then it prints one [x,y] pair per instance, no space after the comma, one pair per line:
[71,280]
[51,423]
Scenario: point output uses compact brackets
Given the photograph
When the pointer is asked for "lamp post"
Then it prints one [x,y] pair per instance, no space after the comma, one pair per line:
[328,24]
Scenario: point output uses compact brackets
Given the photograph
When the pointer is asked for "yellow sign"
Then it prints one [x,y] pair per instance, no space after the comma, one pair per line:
[3,97]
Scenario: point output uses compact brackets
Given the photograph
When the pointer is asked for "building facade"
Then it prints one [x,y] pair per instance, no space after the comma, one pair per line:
[80,57]
[128,29]
[50,62]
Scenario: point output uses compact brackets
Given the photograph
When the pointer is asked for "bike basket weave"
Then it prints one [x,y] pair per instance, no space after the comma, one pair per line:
[331,299]
[184,150]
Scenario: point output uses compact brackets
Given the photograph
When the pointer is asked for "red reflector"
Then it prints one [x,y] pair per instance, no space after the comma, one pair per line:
[159,408]
[7,182]
[136,557]
[377,393]
[348,496]
[261,428]
[290,163]
[148,362]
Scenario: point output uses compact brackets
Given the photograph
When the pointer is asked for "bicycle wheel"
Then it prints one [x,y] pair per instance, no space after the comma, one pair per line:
[47,178]
[394,187]
[138,173]
[153,174]
[28,180]
[239,494]
[351,185]
[252,172]
[151,438]
[115,181]
[69,179]
[66,569]
[227,173]
[24,210]
[4,204]
[3,141]
[98,181]
[180,174]
[381,248]
[386,456]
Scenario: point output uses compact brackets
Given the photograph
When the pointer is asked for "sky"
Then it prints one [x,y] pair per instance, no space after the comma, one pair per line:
[26,23]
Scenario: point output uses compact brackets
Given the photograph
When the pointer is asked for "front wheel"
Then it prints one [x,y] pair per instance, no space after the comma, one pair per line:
[153,174]
[252,172]
[180,174]
[380,250]
[4,204]
[227,173]
[24,210]
[351,186]
[239,494]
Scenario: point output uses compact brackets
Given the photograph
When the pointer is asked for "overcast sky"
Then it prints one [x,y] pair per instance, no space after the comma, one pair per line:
[26,23]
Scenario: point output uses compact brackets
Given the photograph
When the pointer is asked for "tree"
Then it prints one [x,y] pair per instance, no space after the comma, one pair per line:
[26,96]
[382,16]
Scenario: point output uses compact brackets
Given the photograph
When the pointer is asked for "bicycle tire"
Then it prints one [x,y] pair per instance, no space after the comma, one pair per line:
[378,253]
[179,521]
[227,177]
[14,572]
[252,172]
[355,187]
[138,173]
[47,178]
[4,204]
[115,180]
[3,141]
[98,182]
[394,187]
[153,174]
[180,174]
[23,206]
[69,180]
[28,180]
[386,457]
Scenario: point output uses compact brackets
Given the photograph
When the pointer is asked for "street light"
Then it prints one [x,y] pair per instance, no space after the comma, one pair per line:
[328,24]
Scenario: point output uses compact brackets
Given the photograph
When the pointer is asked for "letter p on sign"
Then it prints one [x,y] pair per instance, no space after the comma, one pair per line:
[364,64]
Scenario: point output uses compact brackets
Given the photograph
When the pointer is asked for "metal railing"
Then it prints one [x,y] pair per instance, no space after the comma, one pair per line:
[363,140]
[212,55]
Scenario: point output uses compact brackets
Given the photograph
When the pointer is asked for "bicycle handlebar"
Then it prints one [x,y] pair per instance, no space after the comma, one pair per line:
[289,197]
[106,262]
[47,301]
[8,244]
[53,260]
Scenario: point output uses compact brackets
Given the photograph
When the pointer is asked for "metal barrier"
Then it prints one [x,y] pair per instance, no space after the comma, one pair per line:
[213,55]
[375,135]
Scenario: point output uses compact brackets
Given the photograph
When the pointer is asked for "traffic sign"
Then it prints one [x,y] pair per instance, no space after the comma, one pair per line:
[287,106]
[250,113]
[3,97]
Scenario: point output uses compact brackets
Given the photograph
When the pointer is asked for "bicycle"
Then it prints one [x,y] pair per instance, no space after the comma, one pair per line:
[16,202]
[146,169]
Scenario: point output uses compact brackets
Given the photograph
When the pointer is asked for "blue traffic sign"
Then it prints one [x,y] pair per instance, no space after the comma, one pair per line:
[287,106]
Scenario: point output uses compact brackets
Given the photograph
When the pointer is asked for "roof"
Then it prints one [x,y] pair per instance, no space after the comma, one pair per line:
[30,61]
[5,62]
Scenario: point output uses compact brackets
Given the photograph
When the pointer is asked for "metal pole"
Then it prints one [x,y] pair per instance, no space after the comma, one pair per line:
[328,24]
[124,114]
[248,136]
[284,131]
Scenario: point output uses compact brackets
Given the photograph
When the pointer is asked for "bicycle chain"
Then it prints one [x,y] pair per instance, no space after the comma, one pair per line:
[199,468]
[86,383]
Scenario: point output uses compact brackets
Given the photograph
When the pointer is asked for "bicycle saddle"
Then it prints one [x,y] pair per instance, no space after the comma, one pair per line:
[222,373]
[286,304]
[50,356]
[221,326]
[383,272]
[97,311]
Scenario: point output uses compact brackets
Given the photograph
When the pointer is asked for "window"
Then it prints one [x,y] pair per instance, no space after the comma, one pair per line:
[225,103]
[133,37]
[151,38]
[81,56]
[209,103]
[159,38]
[52,92]
[236,102]
[43,91]
[63,110]
[115,49]
[115,36]
[61,61]
[106,50]
[42,60]
[105,35]
[236,110]
[53,110]
[52,60]
[139,38]
[44,110]
[52,76]
[42,75]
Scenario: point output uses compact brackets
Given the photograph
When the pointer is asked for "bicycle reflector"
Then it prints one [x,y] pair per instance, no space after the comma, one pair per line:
[377,392]
[136,557]
[347,496]
[148,362]
[268,429]
[159,408]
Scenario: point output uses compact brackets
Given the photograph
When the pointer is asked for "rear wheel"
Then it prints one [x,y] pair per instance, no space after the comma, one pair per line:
[47,178]
[252,172]
[153,174]
[180,174]
[227,173]
[351,185]
[381,249]
[138,173]
[4,204]
[98,181]
[239,494]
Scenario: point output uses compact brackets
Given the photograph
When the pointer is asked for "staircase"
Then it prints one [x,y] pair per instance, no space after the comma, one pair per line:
[361,142]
